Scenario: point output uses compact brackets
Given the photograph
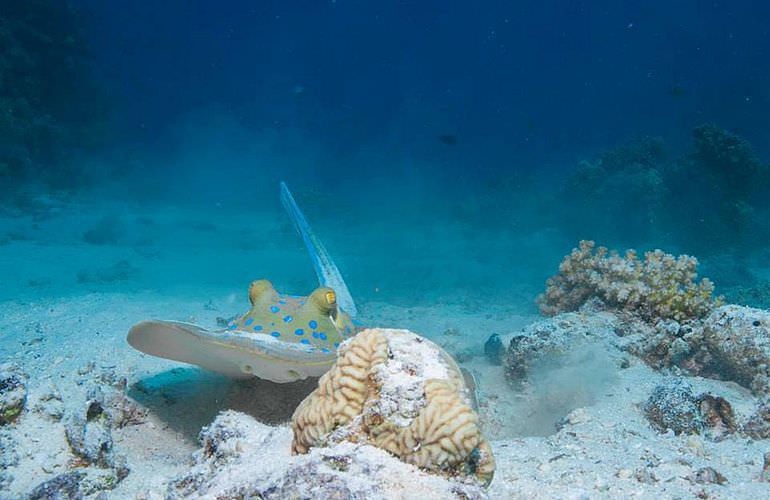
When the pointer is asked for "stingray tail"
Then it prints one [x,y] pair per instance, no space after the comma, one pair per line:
[328,274]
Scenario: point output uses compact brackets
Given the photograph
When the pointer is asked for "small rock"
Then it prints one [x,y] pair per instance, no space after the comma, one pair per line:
[103,479]
[13,393]
[695,444]
[717,415]
[707,475]
[51,405]
[125,411]
[673,406]
[624,474]
[6,478]
[63,486]
[578,416]
[758,425]
[9,457]
[219,441]
[87,368]
[88,431]
[644,475]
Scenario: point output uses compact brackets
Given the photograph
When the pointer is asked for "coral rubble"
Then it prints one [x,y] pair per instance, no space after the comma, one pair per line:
[231,464]
[401,393]
[758,425]
[661,286]
[89,434]
[13,393]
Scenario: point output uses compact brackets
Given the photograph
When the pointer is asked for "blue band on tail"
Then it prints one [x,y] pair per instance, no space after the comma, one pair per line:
[328,274]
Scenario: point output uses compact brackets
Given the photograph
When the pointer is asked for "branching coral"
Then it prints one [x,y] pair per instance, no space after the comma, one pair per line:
[661,286]
[399,392]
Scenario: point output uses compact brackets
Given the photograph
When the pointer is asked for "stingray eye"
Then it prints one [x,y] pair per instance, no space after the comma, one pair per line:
[331,298]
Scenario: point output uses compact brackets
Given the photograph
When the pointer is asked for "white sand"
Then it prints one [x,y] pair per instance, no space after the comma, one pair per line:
[185,270]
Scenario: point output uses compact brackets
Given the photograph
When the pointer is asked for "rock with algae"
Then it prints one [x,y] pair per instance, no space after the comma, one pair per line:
[401,393]
[738,340]
[243,458]
[660,286]
[13,393]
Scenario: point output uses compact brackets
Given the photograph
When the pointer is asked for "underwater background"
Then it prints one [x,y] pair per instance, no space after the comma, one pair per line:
[439,148]
[448,154]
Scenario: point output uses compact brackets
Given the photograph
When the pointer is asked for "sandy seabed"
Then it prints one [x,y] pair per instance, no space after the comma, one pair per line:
[576,431]
[604,448]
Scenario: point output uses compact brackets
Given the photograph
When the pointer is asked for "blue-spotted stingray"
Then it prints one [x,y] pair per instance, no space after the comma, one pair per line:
[282,338]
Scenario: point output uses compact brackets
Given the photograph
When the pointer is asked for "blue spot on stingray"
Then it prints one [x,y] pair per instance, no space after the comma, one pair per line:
[336,345]
[299,331]
[275,334]
[325,350]
[274,309]
[304,341]
[248,322]
[282,301]
[232,326]
[347,329]
[315,335]
[257,328]
[322,335]
[287,319]
[313,324]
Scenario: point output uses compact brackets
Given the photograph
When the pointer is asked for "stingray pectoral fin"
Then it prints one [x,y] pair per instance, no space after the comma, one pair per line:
[183,342]
[232,354]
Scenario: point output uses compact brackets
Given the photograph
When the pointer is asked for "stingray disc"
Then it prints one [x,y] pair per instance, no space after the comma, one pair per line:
[282,338]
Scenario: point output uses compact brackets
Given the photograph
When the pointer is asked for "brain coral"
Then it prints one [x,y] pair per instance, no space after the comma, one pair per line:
[402,393]
[661,286]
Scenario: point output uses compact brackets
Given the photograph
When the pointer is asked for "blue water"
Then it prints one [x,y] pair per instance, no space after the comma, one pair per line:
[435,146]
[431,143]
[447,154]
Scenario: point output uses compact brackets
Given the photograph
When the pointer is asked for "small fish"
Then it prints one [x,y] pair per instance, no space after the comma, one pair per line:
[448,139]
[677,91]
